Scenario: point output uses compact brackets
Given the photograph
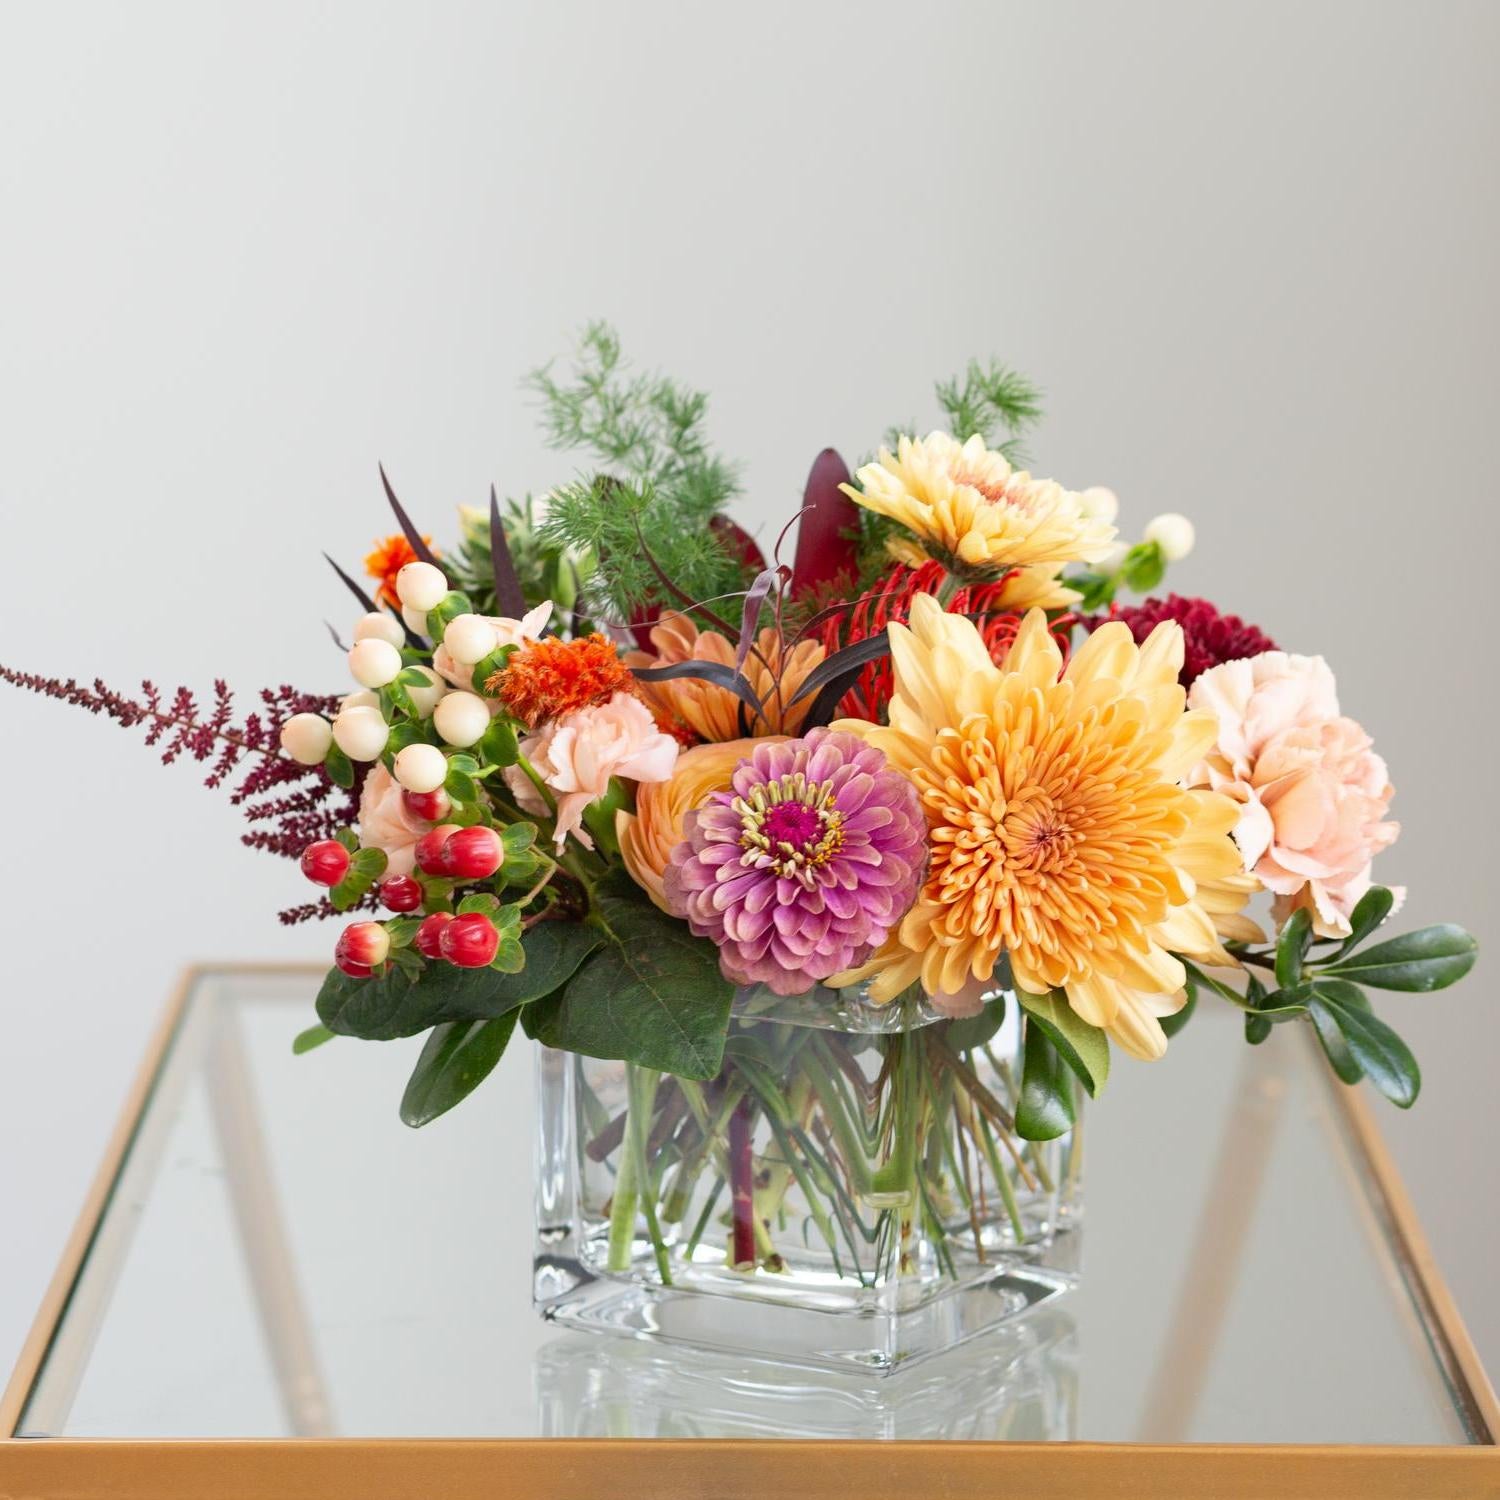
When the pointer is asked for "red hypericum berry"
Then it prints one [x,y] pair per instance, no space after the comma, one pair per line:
[470,941]
[431,855]
[352,969]
[326,862]
[431,807]
[474,853]
[364,944]
[429,936]
[400,893]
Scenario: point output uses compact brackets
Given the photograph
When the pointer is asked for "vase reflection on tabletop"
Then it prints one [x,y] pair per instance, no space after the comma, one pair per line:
[1019,1383]
[848,1190]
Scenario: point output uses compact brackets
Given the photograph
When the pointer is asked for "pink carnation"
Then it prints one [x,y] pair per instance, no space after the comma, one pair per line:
[577,754]
[1312,792]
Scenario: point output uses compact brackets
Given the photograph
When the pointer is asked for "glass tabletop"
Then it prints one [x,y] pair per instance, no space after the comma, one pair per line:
[280,1256]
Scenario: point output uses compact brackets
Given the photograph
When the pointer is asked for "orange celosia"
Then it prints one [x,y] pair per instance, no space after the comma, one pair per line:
[548,678]
[712,712]
[389,557]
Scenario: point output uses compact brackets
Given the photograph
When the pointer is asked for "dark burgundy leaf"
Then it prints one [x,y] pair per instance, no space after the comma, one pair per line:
[509,599]
[754,598]
[827,543]
[706,671]
[412,534]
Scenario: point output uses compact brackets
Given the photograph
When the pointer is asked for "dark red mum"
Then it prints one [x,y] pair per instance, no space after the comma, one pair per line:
[1210,637]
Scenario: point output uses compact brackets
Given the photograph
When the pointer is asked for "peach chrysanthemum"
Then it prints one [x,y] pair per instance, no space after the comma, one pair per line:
[713,713]
[1060,833]
[971,511]
[548,678]
[650,834]
[391,554]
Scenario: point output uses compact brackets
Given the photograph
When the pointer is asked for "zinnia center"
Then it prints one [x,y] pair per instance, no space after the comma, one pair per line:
[793,823]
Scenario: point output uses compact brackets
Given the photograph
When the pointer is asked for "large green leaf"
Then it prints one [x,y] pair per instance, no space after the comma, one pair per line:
[652,994]
[1330,1036]
[457,1058]
[974,1031]
[1429,959]
[1369,912]
[1046,1108]
[1291,947]
[397,1004]
[1380,1054]
[1084,1048]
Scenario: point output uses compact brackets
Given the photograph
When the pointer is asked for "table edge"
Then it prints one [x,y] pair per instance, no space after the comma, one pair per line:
[1436,1307]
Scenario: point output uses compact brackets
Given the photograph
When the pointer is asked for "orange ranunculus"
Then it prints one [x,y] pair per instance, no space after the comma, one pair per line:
[389,557]
[711,712]
[648,836]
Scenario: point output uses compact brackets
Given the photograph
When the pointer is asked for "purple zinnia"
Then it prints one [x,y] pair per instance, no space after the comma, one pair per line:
[803,867]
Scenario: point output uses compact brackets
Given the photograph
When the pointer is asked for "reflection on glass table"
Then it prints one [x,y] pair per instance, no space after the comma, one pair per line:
[279,1256]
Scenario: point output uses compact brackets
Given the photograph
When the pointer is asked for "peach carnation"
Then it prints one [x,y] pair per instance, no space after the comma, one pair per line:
[385,821]
[577,755]
[1311,791]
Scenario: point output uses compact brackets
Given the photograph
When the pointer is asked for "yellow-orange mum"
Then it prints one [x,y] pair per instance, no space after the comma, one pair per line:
[648,836]
[970,510]
[713,713]
[548,678]
[391,554]
[1060,833]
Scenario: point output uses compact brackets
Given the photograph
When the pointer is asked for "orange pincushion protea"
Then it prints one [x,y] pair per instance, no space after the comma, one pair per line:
[389,557]
[550,677]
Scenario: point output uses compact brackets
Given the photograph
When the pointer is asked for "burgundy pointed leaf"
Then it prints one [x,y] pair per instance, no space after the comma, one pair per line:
[412,638]
[754,598]
[827,539]
[509,599]
[414,536]
[705,671]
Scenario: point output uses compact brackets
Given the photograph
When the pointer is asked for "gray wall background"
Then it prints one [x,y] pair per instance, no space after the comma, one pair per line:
[247,251]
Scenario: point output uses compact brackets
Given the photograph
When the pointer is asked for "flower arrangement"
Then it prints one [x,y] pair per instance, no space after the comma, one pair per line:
[610,775]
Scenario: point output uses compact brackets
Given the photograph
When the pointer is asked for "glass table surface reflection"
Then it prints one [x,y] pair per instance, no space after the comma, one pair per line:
[280,1256]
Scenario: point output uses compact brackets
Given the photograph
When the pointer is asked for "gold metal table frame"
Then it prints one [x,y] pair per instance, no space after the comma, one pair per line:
[313,1468]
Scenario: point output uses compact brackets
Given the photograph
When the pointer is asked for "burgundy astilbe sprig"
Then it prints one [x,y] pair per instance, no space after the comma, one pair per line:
[1209,638]
[295,805]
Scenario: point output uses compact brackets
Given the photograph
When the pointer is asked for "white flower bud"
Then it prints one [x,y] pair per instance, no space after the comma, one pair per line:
[361,733]
[416,619]
[421,768]
[461,719]
[469,639]
[1173,533]
[306,738]
[421,585]
[373,663]
[1110,562]
[1100,504]
[425,699]
[379,627]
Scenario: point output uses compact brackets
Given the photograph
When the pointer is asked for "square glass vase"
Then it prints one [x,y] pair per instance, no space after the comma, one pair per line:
[847,1190]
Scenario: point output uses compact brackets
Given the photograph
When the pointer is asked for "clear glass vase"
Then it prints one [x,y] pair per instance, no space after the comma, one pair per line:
[848,1190]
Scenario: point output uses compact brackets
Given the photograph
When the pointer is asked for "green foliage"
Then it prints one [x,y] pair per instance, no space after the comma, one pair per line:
[397,1003]
[659,479]
[1046,1107]
[652,994]
[314,1036]
[1084,1048]
[994,401]
[544,568]
[456,1059]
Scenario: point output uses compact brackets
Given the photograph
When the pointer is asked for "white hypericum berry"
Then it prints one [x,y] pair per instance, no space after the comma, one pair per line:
[361,733]
[416,619]
[306,738]
[364,698]
[1100,504]
[421,768]
[469,639]
[421,585]
[461,719]
[379,627]
[373,664]
[1173,533]
[1110,562]
[425,699]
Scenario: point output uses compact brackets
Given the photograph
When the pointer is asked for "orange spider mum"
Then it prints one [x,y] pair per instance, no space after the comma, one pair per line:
[389,557]
[548,678]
